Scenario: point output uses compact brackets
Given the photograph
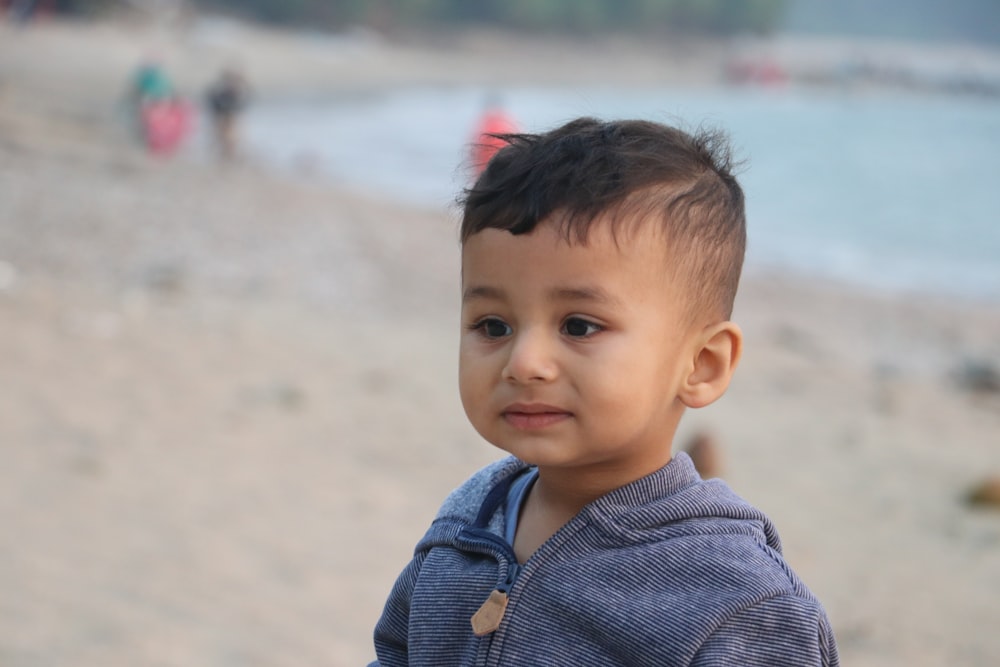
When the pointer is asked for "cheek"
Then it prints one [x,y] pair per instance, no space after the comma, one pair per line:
[625,384]
[465,387]
[620,395]
[472,382]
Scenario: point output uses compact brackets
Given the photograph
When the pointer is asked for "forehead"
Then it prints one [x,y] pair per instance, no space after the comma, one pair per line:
[606,235]
[624,262]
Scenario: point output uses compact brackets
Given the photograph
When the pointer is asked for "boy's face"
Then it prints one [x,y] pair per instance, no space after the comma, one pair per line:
[572,356]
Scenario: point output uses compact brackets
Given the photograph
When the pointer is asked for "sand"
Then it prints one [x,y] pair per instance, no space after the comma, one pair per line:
[228,405]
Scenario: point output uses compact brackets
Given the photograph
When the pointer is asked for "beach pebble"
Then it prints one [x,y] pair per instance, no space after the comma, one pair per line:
[164,278]
[986,493]
[285,395]
[979,377]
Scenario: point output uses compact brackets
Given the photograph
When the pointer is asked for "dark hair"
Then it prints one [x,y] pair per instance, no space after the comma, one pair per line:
[631,170]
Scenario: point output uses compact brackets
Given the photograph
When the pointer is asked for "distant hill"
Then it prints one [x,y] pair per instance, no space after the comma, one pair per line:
[931,20]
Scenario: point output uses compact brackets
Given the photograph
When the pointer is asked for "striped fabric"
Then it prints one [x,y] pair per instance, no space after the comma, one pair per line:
[669,570]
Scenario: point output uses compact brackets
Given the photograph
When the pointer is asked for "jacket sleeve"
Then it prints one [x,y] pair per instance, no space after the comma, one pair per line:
[785,631]
[391,643]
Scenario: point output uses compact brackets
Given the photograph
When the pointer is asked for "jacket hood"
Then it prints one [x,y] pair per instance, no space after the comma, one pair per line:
[659,506]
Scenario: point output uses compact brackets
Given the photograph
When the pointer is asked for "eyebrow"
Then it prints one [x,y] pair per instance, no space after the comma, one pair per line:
[481,292]
[591,294]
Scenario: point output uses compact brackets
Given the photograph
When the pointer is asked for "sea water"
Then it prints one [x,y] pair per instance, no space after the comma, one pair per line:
[888,190]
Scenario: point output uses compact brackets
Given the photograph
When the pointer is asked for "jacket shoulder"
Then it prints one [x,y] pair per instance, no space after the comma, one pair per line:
[460,508]
[463,503]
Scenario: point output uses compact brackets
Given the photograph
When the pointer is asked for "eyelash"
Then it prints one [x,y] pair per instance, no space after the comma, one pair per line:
[592,327]
[481,325]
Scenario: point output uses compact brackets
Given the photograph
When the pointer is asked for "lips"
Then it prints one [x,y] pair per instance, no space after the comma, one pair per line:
[534,416]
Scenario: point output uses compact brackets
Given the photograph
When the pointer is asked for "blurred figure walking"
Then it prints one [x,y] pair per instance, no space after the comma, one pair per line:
[226,100]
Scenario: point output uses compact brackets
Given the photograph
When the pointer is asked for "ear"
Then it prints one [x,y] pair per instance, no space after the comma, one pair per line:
[717,352]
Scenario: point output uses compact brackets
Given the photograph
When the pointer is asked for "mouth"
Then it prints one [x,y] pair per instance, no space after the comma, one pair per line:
[534,416]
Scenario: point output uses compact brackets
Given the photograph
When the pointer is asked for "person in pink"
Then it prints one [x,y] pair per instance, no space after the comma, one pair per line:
[493,121]
[167,124]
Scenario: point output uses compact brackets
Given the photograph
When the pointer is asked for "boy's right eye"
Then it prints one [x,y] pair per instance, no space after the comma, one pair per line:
[492,327]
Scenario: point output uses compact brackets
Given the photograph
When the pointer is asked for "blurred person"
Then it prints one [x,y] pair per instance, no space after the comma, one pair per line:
[706,455]
[167,124]
[161,116]
[226,99]
[493,121]
[600,262]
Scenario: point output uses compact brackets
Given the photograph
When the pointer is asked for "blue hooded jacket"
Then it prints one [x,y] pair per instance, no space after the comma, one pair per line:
[667,570]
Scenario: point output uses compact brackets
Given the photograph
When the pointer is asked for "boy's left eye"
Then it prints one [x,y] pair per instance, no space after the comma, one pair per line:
[580,328]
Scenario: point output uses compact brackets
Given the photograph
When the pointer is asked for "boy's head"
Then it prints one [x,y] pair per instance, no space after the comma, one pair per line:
[599,266]
[629,173]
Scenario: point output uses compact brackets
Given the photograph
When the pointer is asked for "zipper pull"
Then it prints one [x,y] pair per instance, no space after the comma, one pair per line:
[488,618]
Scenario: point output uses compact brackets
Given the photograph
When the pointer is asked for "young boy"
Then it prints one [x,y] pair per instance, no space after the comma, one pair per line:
[599,266]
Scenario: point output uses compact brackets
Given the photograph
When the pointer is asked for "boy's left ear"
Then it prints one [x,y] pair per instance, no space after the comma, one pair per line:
[717,352]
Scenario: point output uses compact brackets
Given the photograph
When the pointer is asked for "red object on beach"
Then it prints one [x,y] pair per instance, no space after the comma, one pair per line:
[166,125]
[494,121]
[764,72]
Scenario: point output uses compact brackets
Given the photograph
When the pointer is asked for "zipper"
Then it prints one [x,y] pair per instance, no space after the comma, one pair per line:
[488,617]
[513,570]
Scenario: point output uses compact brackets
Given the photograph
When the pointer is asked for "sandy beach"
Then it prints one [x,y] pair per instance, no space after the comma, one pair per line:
[228,401]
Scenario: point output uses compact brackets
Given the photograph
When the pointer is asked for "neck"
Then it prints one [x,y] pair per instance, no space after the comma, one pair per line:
[566,491]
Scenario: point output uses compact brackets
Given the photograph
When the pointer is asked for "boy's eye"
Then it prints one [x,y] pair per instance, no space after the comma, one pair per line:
[491,327]
[579,328]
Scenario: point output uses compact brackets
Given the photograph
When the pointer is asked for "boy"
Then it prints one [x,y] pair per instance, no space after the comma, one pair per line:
[599,267]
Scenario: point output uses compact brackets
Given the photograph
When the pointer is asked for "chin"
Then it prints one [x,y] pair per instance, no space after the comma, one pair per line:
[537,456]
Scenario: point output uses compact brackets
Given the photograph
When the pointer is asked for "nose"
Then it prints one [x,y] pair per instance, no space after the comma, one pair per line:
[531,358]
